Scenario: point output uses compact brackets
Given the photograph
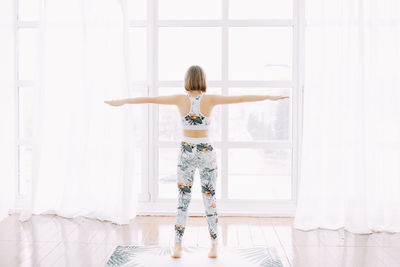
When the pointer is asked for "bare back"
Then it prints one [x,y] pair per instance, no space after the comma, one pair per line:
[206,105]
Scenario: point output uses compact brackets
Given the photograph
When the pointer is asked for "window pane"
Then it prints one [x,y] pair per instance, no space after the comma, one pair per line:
[92,13]
[265,174]
[179,48]
[138,53]
[170,127]
[261,120]
[25,165]
[25,111]
[260,53]
[260,9]
[27,56]
[28,10]
[168,161]
[137,9]
[190,9]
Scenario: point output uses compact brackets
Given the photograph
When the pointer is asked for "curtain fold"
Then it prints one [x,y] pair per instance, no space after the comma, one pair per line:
[84,160]
[350,152]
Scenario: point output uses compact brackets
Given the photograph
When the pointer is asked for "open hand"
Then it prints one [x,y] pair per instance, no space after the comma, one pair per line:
[114,102]
[278,97]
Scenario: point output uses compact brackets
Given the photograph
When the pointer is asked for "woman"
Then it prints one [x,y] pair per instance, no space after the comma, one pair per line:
[196,149]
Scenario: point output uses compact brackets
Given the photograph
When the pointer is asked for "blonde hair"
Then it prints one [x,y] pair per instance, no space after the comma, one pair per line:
[195,79]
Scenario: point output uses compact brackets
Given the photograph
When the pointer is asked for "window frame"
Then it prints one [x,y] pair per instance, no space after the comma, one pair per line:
[153,204]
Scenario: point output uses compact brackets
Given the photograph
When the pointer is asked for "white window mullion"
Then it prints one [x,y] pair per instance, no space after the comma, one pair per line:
[260,22]
[155,108]
[226,83]
[138,23]
[27,24]
[148,178]
[224,22]
[224,108]
[21,83]
[297,92]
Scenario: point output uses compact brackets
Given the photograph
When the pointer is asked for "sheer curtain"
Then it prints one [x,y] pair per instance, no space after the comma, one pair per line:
[7,107]
[350,160]
[84,160]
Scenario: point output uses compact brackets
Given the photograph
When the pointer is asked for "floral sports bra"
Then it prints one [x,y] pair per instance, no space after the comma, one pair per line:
[195,120]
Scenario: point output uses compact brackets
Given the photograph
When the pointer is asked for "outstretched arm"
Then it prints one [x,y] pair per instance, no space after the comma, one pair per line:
[168,100]
[252,98]
[222,99]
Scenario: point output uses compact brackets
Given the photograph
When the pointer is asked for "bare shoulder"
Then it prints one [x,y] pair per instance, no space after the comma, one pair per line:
[210,98]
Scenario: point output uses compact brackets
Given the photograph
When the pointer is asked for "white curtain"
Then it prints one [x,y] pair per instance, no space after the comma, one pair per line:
[84,151]
[350,153]
[7,107]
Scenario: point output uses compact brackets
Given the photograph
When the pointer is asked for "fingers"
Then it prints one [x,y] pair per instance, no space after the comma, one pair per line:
[112,102]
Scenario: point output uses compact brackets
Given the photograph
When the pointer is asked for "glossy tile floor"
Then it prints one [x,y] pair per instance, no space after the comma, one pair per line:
[49,240]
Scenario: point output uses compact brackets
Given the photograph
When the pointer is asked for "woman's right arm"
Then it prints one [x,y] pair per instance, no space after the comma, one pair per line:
[163,99]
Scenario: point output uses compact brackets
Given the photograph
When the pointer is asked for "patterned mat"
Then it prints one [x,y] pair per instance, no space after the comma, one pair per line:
[146,256]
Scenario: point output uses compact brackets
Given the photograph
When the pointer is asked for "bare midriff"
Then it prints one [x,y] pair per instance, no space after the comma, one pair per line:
[195,133]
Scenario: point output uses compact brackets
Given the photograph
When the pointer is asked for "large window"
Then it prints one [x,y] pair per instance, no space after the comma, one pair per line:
[245,47]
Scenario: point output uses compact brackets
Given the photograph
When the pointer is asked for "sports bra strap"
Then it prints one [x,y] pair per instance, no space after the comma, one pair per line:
[195,103]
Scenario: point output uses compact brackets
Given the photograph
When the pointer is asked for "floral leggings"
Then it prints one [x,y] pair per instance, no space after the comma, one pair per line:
[196,152]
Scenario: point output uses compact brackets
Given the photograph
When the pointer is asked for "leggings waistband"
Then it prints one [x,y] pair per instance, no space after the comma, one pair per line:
[196,140]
